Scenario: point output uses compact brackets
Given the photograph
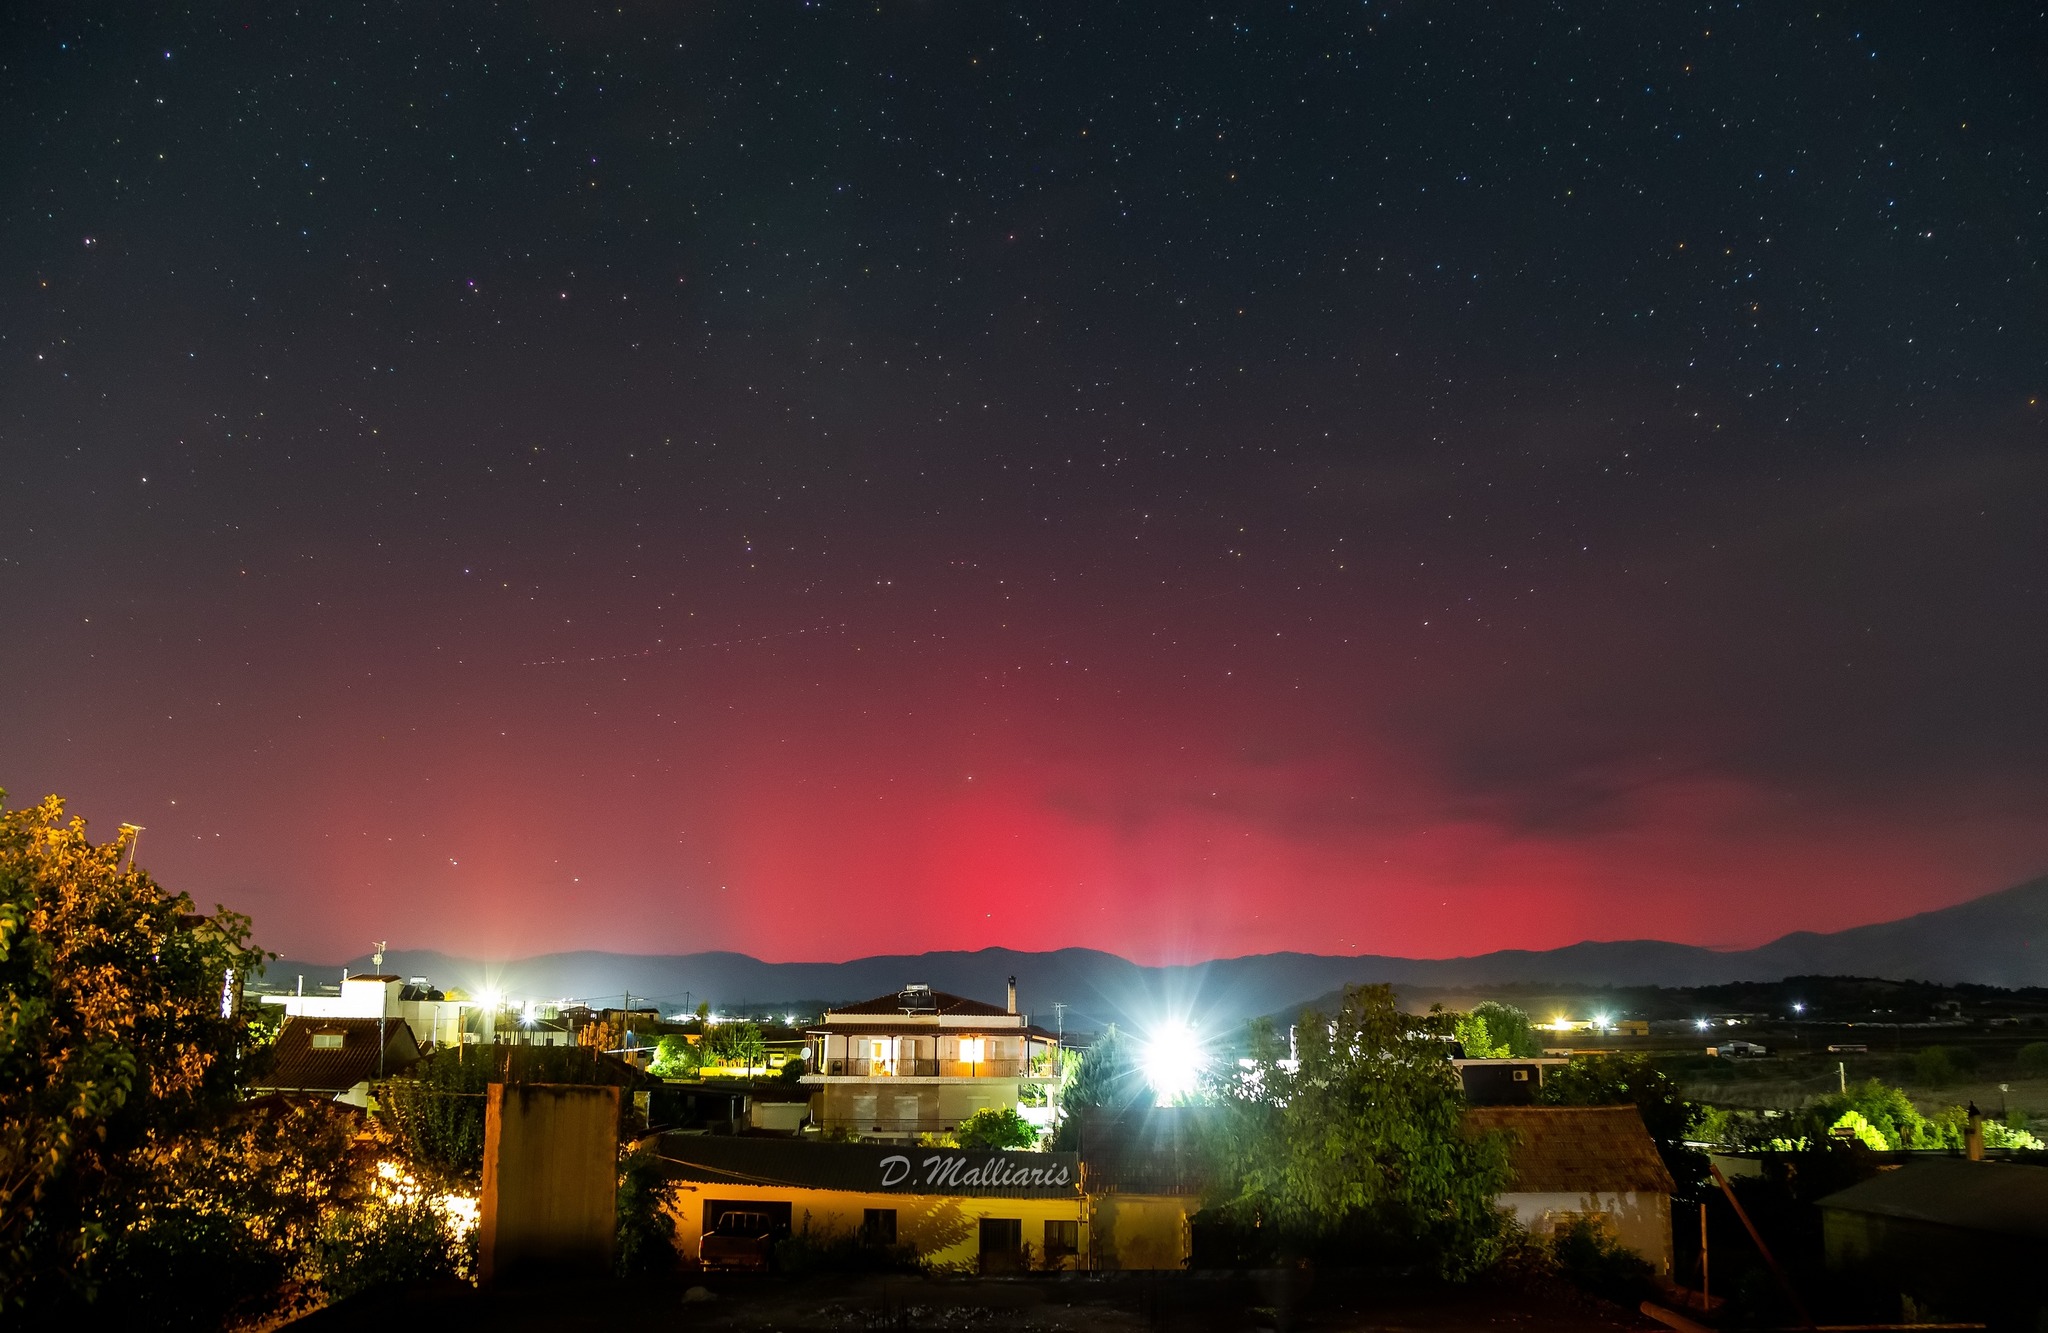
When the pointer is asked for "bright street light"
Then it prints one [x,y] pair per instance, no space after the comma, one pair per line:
[1171,1060]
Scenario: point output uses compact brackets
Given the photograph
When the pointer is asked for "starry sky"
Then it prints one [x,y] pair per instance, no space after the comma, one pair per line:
[823,479]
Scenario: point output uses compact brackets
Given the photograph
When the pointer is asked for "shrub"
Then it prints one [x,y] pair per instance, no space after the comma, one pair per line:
[995,1127]
[2034,1059]
[1934,1067]
[391,1244]
[647,1233]
[826,1250]
[1590,1256]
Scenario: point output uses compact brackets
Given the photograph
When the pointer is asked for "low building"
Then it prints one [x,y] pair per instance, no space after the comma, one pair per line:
[1577,1161]
[920,1061]
[1143,1173]
[338,1057]
[956,1210]
[1504,1082]
[435,1019]
[1964,1239]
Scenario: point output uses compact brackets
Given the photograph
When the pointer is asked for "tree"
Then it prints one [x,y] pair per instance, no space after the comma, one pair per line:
[1104,1074]
[1935,1067]
[1361,1147]
[995,1127]
[2033,1059]
[1496,1031]
[675,1056]
[113,1035]
[742,1044]
[1613,1080]
[435,1114]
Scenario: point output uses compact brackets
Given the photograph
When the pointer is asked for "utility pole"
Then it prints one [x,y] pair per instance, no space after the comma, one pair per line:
[1059,1017]
[134,832]
[377,964]
[1842,1072]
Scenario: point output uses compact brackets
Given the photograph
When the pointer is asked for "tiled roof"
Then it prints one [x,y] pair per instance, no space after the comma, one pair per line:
[1575,1149]
[2002,1198]
[886,1029]
[938,1001]
[868,1168]
[298,1065]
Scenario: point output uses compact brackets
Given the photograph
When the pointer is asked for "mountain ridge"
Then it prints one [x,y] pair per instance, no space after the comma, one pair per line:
[1999,939]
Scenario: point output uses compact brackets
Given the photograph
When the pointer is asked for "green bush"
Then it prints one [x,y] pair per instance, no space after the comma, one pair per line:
[647,1233]
[995,1127]
[1589,1255]
[1935,1067]
[2034,1059]
[826,1250]
[391,1244]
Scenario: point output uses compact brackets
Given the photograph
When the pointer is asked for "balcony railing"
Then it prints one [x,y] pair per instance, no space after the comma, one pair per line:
[927,1069]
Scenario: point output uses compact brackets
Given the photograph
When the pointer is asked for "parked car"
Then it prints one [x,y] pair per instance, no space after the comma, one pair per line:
[739,1240]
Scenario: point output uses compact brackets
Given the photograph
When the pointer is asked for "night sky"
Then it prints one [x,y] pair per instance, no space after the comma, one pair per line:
[823,479]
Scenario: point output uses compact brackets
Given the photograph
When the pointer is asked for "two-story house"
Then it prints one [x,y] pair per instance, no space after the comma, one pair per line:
[921,1061]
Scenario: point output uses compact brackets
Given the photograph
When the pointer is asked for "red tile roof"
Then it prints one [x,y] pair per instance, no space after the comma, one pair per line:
[297,1065]
[938,1001]
[1575,1149]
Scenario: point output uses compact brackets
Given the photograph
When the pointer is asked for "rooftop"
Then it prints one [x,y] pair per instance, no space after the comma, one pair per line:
[2002,1198]
[868,1168]
[300,1065]
[922,1001]
[1575,1149]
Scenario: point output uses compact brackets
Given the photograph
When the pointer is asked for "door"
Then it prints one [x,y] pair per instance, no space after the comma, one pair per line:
[1002,1244]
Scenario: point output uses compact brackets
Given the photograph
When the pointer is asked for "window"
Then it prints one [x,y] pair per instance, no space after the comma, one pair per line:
[1062,1240]
[973,1050]
[878,1226]
[327,1041]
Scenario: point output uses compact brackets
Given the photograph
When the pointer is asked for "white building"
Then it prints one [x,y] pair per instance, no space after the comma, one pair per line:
[436,1020]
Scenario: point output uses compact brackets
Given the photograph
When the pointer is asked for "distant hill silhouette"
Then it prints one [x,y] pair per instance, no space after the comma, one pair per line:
[2000,939]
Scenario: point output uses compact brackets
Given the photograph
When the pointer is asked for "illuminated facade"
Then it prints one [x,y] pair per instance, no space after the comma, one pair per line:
[921,1061]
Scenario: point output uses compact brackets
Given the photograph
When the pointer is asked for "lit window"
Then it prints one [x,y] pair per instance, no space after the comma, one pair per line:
[327,1041]
[973,1050]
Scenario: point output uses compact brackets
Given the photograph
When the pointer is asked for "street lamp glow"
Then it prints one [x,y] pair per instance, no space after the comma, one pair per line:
[1172,1060]
[1702,1024]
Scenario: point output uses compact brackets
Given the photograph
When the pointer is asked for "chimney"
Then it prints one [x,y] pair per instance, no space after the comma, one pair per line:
[1973,1136]
[1013,995]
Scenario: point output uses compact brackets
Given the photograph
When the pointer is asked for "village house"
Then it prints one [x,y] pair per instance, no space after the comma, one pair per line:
[1585,1161]
[920,1061]
[956,1210]
[338,1057]
[435,1019]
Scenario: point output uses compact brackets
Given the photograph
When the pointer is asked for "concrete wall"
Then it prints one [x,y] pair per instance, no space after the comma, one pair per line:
[1641,1219]
[944,1230]
[1140,1230]
[551,1172]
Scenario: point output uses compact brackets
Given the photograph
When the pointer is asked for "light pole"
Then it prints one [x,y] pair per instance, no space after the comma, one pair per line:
[134,832]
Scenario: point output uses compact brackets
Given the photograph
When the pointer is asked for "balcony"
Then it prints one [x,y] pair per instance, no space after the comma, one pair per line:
[927,1069]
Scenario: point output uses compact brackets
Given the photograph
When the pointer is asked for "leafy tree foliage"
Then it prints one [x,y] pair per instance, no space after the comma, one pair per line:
[1614,1080]
[1940,1066]
[388,1243]
[675,1056]
[1105,1074]
[647,1231]
[995,1127]
[1361,1148]
[245,1200]
[741,1045]
[2034,1059]
[1496,1031]
[111,1037]
[435,1114]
